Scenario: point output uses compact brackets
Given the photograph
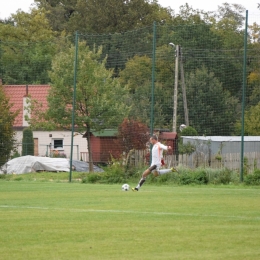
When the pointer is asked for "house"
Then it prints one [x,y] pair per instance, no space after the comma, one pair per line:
[45,142]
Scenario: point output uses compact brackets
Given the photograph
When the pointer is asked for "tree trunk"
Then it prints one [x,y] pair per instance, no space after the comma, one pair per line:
[90,158]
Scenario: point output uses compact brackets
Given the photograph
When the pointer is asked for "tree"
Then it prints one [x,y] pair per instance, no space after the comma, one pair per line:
[7,136]
[253,87]
[132,134]
[137,71]
[213,40]
[100,99]
[212,111]
[189,131]
[188,15]
[27,142]
[26,48]
[252,121]
[103,16]
[254,34]
[137,76]
[58,12]
[253,78]
[228,24]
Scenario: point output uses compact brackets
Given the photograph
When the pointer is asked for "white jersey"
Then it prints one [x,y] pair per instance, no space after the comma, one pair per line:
[157,153]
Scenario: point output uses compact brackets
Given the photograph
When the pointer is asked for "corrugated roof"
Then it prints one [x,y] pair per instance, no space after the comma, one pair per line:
[223,138]
[16,94]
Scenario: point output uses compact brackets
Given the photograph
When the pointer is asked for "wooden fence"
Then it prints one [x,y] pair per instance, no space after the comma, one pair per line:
[230,161]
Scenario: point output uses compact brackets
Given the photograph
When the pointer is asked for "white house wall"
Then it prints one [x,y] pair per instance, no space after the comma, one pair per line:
[46,142]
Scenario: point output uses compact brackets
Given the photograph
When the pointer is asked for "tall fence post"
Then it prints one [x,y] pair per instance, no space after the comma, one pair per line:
[243,100]
[74,101]
[175,91]
[152,90]
[153,79]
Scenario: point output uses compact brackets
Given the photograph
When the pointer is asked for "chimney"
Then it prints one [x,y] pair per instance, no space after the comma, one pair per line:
[26,91]
[25,112]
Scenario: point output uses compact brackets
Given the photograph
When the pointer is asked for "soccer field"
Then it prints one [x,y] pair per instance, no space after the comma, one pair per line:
[44,220]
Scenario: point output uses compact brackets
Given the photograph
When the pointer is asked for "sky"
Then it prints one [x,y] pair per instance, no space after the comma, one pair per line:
[8,7]
[250,5]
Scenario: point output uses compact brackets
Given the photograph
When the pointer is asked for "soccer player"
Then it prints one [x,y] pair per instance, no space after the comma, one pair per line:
[157,151]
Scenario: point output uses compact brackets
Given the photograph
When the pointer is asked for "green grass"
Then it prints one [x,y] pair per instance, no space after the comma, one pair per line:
[44,176]
[55,220]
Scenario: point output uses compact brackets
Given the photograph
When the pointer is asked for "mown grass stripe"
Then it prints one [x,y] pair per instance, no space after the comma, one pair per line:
[131,212]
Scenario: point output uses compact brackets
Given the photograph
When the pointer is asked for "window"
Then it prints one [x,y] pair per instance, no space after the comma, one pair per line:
[58,144]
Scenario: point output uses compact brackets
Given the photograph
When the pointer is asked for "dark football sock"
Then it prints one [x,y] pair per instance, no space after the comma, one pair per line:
[141,182]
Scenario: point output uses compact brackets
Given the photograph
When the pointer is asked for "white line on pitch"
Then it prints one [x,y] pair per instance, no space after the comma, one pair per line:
[130,212]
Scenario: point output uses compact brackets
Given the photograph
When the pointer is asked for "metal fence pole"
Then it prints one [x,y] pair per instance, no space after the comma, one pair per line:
[175,92]
[152,90]
[74,101]
[153,79]
[243,100]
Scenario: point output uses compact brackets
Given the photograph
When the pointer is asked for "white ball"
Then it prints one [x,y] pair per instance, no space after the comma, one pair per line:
[125,187]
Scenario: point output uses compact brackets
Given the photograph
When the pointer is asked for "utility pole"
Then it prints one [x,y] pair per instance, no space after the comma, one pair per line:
[175,93]
[186,113]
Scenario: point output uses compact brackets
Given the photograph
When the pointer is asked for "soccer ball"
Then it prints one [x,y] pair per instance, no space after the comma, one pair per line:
[125,187]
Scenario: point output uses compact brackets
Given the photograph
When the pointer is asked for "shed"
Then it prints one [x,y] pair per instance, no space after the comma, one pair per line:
[104,144]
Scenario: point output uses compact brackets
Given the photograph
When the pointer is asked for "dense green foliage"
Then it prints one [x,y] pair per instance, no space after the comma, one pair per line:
[117,173]
[27,142]
[253,179]
[101,16]
[26,49]
[7,134]
[189,131]
[99,97]
[210,105]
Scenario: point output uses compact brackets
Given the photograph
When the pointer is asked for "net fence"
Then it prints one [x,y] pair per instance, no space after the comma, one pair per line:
[188,84]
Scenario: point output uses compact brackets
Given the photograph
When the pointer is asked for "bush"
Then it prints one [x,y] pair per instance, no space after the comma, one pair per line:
[222,176]
[91,178]
[114,173]
[15,155]
[253,179]
[225,176]
[189,131]
[196,177]
[27,142]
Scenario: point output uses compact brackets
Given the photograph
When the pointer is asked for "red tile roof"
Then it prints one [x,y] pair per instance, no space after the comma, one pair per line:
[16,94]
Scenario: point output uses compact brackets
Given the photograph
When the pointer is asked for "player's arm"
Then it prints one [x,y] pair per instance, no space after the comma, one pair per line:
[164,147]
